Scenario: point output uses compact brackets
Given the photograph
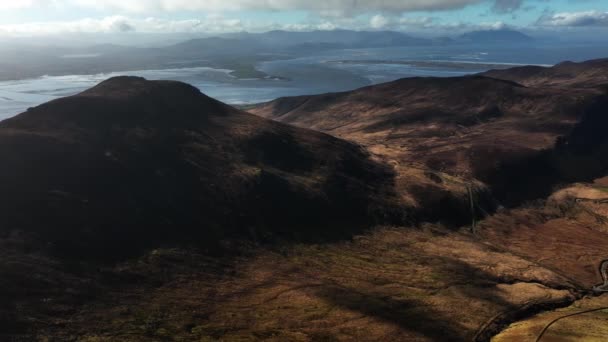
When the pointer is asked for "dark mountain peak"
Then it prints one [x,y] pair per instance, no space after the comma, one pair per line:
[463,81]
[455,88]
[601,62]
[588,74]
[124,100]
[129,86]
[133,164]
[565,63]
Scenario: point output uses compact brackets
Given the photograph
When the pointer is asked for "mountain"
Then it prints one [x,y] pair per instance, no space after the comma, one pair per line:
[212,46]
[587,74]
[333,38]
[466,127]
[495,37]
[132,164]
[232,46]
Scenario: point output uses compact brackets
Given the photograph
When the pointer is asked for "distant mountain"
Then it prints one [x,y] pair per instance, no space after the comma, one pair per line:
[332,38]
[495,36]
[216,46]
[248,46]
[301,42]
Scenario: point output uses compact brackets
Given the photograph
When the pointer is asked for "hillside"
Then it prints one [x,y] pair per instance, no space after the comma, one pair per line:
[537,147]
[465,127]
[131,163]
[567,74]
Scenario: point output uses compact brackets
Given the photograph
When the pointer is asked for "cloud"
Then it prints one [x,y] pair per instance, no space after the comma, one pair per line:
[324,7]
[507,6]
[21,4]
[574,19]
[108,24]
[218,24]
[379,21]
[409,23]
[210,24]
[121,24]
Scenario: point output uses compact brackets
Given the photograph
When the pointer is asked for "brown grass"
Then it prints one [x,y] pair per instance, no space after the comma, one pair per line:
[393,284]
[590,327]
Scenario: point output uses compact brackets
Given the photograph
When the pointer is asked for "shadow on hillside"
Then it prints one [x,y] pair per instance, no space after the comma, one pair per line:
[420,317]
[580,156]
[409,315]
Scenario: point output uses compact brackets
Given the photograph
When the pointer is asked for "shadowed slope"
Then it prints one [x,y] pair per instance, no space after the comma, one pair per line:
[132,164]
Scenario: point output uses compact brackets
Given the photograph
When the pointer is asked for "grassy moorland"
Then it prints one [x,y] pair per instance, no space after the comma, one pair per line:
[418,284]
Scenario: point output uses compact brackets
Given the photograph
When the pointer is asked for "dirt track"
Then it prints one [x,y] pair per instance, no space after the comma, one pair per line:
[585,320]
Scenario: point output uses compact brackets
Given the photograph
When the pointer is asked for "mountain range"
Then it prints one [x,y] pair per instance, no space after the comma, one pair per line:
[238,51]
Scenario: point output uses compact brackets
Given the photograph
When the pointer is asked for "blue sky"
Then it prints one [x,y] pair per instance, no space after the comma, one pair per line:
[38,17]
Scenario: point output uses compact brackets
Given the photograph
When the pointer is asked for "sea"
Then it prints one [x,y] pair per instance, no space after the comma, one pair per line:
[323,72]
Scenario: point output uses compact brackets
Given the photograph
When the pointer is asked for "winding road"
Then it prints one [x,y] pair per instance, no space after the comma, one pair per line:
[604,273]
[597,289]
[540,336]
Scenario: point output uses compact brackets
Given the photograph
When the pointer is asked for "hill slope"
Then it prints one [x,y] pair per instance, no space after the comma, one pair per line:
[585,74]
[466,127]
[133,163]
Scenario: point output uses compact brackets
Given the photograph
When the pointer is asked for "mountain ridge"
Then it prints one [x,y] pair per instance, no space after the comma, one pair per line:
[587,74]
[496,36]
[468,127]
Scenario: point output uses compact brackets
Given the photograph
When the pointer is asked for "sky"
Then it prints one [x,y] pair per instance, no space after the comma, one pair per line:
[428,17]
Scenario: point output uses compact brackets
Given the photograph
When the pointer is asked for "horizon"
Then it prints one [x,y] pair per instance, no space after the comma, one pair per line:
[129,20]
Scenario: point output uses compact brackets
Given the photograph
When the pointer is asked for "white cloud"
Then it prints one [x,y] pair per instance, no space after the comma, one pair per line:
[324,7]
[497,25]
[115,24]
[109,24]
[217,24]
[378,21]
[212,24]
[575,19]
[417,21]
[19,4]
